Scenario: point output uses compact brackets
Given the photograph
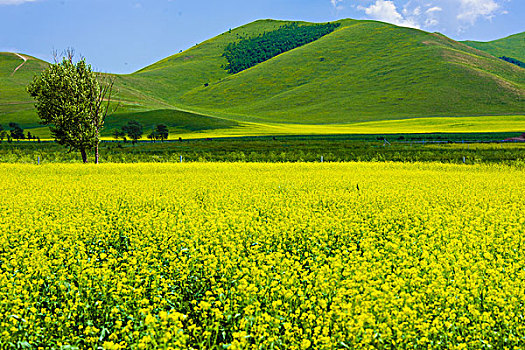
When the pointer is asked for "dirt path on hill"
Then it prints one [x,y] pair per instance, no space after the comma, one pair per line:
[20,66]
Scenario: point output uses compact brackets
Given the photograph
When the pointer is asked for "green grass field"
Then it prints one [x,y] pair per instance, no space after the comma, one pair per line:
[193,126]
[478,124]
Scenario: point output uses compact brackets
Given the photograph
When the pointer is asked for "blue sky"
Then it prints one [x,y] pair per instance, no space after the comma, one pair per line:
[122,36]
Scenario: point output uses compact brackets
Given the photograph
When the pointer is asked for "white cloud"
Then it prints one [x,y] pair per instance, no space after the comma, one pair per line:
[14,2]
[443,15]
[434,9]
[337,4]
[386,11]
[471,10]
[431,22]
[430,17]
[415,12]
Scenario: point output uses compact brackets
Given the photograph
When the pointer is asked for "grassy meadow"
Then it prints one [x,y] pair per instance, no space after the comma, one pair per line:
[190,126]
[295,256]
[367,71]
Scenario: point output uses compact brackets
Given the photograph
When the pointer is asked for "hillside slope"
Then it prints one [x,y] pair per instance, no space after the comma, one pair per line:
[174,76]
[511,46]
[15,104]
[368,71]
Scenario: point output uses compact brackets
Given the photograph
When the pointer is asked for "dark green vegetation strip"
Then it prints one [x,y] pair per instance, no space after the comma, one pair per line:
[513,61]
[402,148]
[249,52]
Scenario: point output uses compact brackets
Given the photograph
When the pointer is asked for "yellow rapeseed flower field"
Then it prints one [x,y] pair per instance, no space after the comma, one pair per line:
[262,256]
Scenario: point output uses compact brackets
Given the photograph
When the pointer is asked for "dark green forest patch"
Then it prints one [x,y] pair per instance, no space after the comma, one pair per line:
[249,52]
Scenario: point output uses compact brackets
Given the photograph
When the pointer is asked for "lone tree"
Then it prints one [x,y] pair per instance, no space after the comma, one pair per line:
[74,101]
[134,130]
[162,132]
[16,131]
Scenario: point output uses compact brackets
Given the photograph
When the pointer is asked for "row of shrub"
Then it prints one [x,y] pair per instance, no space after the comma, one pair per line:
[276,151]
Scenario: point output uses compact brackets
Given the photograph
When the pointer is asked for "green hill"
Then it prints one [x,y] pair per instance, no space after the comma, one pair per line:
[176,75]
[368,71]
[15,104]
[362,72]
[511,46]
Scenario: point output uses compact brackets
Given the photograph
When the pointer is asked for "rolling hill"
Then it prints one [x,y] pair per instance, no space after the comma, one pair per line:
[511,46]
[368,71]
[362,72]
[15,104]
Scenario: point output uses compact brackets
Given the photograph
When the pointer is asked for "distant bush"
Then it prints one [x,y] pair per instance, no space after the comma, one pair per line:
[513,61]
[249,52]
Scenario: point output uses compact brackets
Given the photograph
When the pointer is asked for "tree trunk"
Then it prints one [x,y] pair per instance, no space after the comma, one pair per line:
[96,153]
[84,155]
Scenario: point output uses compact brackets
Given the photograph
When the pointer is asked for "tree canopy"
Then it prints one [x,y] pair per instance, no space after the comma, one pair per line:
[16,131]
[162,132]
[71,100]
[134,130]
